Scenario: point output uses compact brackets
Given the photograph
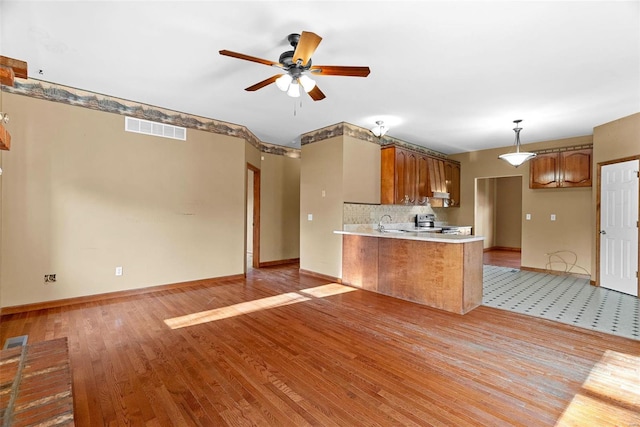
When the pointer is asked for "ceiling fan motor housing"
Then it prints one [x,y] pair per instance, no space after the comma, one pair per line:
[294,39]
[286,59]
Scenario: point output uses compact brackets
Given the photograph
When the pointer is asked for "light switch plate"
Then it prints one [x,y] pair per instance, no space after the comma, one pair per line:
[309,217]
[553,217]
[528,217]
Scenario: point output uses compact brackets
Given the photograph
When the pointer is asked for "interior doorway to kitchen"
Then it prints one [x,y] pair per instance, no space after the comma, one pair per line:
[498,217]
[252,232]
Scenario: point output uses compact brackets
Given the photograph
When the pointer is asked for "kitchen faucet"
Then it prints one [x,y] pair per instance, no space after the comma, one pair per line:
[380,226]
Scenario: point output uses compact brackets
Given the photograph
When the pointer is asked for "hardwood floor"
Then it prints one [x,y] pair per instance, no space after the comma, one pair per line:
[282,349]
[502,258]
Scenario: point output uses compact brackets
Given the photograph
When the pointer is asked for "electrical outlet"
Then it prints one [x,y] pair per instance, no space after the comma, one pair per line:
[118,271]
[48,278]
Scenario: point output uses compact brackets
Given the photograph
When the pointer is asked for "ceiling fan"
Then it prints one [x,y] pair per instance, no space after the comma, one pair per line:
[297,67]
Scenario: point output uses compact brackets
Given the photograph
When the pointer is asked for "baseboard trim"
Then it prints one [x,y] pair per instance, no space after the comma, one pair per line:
[502,248]
[279,262]
[5,311]
[320,276]
[557,273]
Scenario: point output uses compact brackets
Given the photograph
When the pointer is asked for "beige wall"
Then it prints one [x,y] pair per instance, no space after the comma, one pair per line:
[570,232]
[346,169]
[252,156]
[279,208]
[508,215]
[612,141]
[321,170]
[80,196]
[361,176]
[485,220]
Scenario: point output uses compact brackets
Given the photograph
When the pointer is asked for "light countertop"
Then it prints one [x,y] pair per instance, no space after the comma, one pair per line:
[413,235]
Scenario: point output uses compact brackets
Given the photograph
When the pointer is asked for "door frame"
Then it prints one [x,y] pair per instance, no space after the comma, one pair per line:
[598,218]
[256,215]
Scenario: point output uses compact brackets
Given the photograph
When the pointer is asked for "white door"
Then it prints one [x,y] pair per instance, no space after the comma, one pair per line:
[619,227]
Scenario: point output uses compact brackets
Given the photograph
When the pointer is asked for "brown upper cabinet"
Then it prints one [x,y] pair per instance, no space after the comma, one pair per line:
[452,177]
[411,178]
[563,169]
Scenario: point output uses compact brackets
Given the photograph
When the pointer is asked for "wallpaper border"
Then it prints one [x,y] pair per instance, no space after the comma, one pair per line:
[48,91]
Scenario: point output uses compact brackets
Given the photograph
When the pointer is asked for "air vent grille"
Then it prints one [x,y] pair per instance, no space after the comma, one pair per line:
[132,124]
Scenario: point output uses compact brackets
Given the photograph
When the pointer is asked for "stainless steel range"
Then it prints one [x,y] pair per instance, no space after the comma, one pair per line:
[425,220]
[428,221]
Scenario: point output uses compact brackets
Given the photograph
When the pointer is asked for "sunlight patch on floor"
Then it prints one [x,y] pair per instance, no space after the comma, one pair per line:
[328,290]
[235,310]
[610,395]
[257,305]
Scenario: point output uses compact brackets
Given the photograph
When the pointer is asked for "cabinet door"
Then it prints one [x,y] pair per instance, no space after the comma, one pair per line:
[423,180]
[411,171]
[543,171]
[401,176]
[442,178]
[452,178]
[576,168]
[388,175]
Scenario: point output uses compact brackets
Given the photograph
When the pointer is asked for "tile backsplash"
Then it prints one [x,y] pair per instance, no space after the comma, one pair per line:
[360,214]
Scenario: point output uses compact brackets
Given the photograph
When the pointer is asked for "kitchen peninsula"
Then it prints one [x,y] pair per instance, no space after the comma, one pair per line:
[438,270]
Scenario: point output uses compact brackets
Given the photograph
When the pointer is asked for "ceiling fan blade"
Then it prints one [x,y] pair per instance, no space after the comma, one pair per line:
[316,94]
[263,83]
[249,58]
[306,46]
[337,70]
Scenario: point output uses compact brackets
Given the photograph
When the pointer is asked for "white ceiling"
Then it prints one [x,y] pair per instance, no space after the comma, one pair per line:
[449,75]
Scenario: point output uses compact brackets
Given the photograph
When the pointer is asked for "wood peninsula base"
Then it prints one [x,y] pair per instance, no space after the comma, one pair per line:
[433,272]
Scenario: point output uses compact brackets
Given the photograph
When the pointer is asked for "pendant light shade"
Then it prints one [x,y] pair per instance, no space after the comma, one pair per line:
[283,82]
[294,89]
[307,83]
[519,157]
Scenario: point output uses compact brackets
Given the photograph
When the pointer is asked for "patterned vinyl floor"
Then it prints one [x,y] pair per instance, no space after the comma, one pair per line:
[562,298]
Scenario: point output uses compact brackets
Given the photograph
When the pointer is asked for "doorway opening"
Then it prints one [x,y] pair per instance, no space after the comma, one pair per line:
[498,217]
[252,231]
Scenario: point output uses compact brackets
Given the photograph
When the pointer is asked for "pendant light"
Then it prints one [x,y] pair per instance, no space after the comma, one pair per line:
[519,157]
[380,129]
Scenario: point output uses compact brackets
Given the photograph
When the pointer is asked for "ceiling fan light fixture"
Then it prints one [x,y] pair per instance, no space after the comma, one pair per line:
[283,82]
[519,157]
[307,83]
[380,129]
[294,89]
